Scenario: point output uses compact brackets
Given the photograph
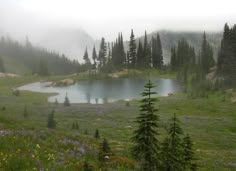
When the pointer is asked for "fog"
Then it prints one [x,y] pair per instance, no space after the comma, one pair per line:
[68,20]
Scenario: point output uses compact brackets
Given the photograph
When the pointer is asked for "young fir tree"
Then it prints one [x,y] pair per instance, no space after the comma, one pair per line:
[104,150]
[188,154]
[25,113]
[56,102]
[51,121]
[132,51]
[67,101]
[97,135]
[86,59]
[86,167]
[146,144]
[94,58]
[172,156]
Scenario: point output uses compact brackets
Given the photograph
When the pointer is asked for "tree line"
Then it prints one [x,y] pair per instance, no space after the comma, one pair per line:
[140,54]
[36,59]
[226,65]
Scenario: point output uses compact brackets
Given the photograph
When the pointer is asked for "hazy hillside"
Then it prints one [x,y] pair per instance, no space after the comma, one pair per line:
[170,39]
[26,58]
[71,42]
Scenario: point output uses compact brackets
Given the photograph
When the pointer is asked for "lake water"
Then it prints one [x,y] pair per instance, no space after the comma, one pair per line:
[102,91]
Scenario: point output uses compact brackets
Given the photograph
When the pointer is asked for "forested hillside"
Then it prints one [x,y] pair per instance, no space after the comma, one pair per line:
[170,39]
[28,59]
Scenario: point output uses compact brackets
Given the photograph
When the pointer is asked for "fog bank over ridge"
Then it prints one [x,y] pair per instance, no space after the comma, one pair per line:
[69,26]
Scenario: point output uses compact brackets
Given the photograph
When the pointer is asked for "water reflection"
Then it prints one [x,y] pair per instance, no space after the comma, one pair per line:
[104,91]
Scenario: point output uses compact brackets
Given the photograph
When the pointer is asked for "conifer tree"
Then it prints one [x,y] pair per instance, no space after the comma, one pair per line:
[86,59]
[140,55]
[43,68]
[132,51]
[67,101]
[94,58]
[104,150]
[157,56]
[226,66]
[56,102]
[207,60]
[2,68]
[146,52]
[118,53]
[25,114]
[173,58]
[172,153]
[86,167]
[51,122]
[146,144]
[188,154]
[102,53]
[97,135]
[122,51]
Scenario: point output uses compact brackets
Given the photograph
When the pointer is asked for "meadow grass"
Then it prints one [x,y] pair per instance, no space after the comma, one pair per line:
[27,144]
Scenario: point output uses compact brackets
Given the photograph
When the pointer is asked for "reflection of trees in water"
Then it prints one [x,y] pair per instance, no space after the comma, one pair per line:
[88,97]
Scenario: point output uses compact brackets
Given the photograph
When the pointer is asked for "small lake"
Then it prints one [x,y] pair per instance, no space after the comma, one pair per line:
[103,91]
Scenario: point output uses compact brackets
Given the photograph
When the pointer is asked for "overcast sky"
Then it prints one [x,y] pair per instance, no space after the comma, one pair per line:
[108,17]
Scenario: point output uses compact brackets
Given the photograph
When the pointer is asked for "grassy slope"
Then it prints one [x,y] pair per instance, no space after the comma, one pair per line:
[210,121]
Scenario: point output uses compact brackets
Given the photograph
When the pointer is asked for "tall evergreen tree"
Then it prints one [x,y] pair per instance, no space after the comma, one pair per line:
[224,50]
[146,52]
[226,66]
[118,52]
[173,59]
[102,53]
[86,59]
[2,68]
[207,60]
[94,56]
[132,51]
[157,56]
[140,55]
[146,144]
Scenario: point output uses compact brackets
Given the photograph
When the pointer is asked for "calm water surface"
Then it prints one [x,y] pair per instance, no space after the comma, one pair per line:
[102,91]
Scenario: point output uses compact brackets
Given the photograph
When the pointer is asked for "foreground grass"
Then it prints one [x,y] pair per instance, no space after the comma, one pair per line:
[26,143]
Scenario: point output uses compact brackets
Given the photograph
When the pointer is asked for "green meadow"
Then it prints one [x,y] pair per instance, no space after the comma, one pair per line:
[27,144]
